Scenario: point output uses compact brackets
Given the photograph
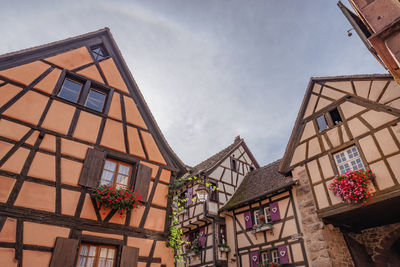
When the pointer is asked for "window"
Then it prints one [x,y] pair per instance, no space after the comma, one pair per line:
[335,116]
[264,257]
[322,124]
[95,100]
[115,173]
[213,191]
[275,256]
[251,168]
[257,213]
[91,255]
[349,160]
[82,91]
[70,90]
[99,52]
[234,164]
[329,119]
[267,214]
[222,233]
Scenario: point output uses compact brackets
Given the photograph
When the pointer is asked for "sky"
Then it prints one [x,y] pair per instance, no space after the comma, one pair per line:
[209,70]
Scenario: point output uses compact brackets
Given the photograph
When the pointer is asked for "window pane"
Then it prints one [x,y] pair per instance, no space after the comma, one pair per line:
[92,251]
[322,124]
[123,169]
[110,165]
[70,90]
[95,100]
[81,261]
[84,250]
[90,262]
[107,178]
[109,263]
[110,253]
[122,179]
[103,252]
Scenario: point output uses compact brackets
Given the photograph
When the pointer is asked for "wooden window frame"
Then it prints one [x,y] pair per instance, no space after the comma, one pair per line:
[213,195]
[234,165]
[102,47]
[87,85]
[348,160]
[97,255]
[275,259]
[119,162]
[328,119]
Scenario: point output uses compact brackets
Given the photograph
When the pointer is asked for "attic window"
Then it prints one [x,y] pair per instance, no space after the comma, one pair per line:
[322,124]
[96,100]
[335,116]
[251,168]
[99,52]
[233,164]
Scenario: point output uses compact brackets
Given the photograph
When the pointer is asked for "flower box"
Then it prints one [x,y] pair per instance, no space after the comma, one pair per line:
[224,249]
[353,187]
[263,227]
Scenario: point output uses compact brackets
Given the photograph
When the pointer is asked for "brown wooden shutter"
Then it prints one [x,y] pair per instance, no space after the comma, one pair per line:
[143,180]
[92,168]
[129,257]
[64,253]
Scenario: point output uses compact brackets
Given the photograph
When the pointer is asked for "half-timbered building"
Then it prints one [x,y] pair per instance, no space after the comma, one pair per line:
[262,225]
[348,123]
[200,220]
[72,118]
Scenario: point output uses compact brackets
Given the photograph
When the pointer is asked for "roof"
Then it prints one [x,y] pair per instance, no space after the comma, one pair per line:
[296,132]
[258,184]
[103,35]
[209,164]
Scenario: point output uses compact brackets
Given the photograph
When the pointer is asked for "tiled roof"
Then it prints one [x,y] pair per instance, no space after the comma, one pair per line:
[258,183]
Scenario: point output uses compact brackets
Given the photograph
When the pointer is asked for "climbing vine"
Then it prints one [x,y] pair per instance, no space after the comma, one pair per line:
[175,240]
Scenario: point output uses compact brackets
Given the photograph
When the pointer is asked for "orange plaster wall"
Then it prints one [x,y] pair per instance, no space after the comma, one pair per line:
[87,127]
[70,171]
[8,91]
[7,257]
[165,176]
[135,146]
[74,149]
[151,148]
[32,139]
[6,185]
[48,83]
[25,74]
[136,216]
[35,258]
[113,136]
[160,196]
[43,166]
[4,148]
[17,161]
[112,75]
[92,73]
[155,220]
[69,201]
[144,245]
[88,209]
[59,117]
[132,113]
[37,196]
[166,254]
[49,143]
[8,232]
[28,108]
[42,234]
[12,130]
[115,108]
[72,59]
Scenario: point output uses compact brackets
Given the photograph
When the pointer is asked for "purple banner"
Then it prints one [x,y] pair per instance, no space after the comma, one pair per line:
[254,259]
[283,255]
[247,220]
[189,196]
[202,237]
[274,210]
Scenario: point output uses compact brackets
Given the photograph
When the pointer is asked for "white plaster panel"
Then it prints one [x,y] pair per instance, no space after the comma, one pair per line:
[369,148]
[334,136]
[308,131]
[248,160]
[391,92]
[386,141]
[313,147]
[383,178]
[226,163]
[345,86]
[314,171]
[229,189]
[320,194]
[394,163]
[349,109]
[332,93]
[362,88]
[376,118]
[310,106]
[299,154]
[376,89]
[326,166]
[216,174]
[289,228]
[357,128]
[227,176]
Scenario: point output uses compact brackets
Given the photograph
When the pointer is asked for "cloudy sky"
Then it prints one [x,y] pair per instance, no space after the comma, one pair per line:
[209,70]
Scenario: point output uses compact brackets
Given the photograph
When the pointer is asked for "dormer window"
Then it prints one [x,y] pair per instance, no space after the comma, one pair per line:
[99,52]
[329,119]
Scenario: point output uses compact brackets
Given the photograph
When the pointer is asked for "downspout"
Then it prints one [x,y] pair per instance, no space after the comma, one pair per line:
[236,242]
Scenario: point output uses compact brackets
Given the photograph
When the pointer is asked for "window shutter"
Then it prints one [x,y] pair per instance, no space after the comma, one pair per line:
[202,237]
[247,220]
[274,210]
[143,180]
[254,259]
[64,252]
[283,255]
[129,256]
[189,196]
[92,168]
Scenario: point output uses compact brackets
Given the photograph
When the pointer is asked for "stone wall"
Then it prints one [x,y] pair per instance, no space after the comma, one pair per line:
[324,243]
[378,240]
